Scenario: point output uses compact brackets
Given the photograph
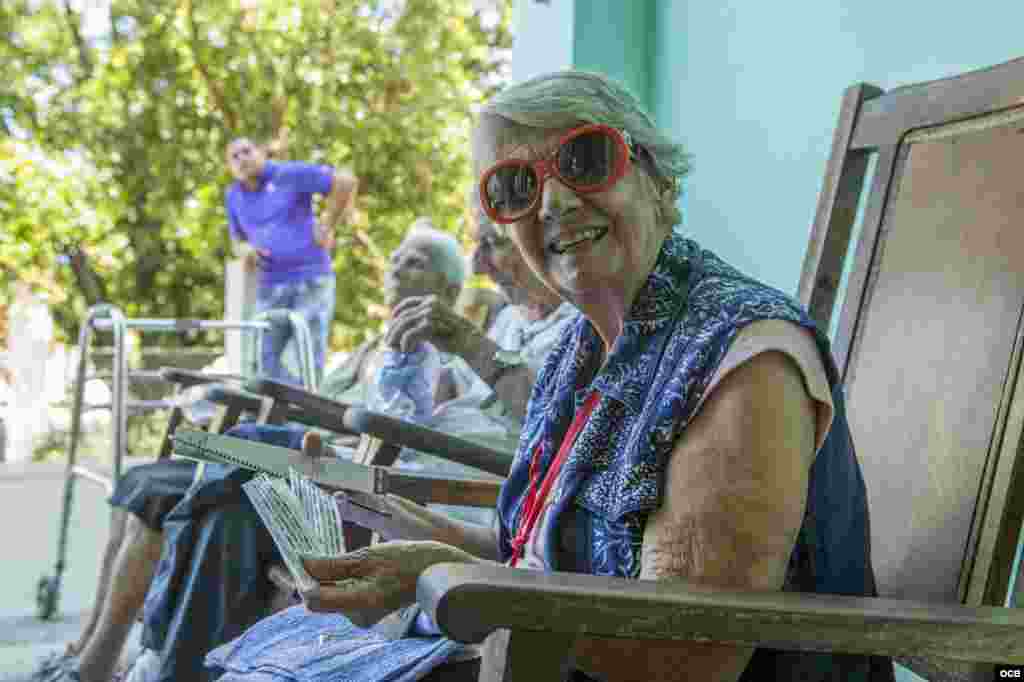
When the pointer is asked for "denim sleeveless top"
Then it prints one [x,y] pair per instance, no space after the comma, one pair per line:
[677,331]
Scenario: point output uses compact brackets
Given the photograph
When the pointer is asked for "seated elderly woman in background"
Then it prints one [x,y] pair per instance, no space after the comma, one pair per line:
[688,427]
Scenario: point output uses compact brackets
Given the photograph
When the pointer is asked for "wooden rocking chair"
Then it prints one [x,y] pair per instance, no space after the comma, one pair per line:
[929,338]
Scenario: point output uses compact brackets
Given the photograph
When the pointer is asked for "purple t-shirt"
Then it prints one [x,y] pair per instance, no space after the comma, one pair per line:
[278,217]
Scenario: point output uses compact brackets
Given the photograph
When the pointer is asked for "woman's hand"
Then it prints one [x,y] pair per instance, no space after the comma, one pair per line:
[371,582]
[427,318]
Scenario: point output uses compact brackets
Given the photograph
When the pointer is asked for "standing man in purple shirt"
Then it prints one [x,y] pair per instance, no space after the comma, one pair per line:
[270,215]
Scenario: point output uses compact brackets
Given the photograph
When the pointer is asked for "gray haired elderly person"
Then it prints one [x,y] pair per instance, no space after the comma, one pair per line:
[688,427]
[423,309]
[428,265]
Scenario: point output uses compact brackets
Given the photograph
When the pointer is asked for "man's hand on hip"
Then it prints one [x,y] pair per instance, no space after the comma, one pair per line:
[338,205]
[252,258]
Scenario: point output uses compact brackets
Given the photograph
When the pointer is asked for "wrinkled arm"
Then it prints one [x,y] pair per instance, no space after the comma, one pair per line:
[480,541]
[512,385]
[397,518]
[410,521]
[735,492]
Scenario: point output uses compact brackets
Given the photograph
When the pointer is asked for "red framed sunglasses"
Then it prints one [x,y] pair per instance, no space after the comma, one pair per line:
[591,158]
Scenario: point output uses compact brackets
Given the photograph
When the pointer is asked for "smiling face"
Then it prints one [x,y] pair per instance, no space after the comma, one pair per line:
[413,272]
[245,160]
[595,249]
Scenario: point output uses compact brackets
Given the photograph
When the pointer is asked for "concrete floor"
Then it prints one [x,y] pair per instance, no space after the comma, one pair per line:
[30,506]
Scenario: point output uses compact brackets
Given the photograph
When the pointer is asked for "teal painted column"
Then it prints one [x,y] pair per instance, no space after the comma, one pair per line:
[638,43]
[615,37]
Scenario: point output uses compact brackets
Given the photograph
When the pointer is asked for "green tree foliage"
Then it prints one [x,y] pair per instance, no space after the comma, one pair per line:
[116,144]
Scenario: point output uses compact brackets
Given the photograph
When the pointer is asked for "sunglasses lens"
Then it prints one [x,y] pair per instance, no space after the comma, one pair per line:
[588,159]
[510,190]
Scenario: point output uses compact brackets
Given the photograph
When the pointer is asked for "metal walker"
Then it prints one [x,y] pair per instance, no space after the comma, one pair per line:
[107,317]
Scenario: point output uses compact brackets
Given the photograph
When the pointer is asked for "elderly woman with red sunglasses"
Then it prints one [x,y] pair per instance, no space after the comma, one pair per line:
[688,427]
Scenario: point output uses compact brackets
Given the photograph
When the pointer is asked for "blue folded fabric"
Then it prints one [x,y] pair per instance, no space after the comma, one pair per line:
[299,645]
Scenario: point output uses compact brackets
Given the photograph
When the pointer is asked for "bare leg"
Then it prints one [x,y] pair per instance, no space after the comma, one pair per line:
[131,574]
[118,518]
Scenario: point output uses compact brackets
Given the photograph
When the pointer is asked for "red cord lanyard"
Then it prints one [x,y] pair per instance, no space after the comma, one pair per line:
[535,497]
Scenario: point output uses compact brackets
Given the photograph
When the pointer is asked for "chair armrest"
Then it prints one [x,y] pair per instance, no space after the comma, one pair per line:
[282,391]
[410,435]
[302,405]
[315,410]
[227,395]
[469,601]
[185,377]
[428,489]
[189,378]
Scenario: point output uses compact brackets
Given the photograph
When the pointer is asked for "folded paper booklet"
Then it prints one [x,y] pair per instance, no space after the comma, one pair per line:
[301,517]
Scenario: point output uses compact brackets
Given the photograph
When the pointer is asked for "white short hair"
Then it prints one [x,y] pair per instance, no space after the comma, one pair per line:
[445,250]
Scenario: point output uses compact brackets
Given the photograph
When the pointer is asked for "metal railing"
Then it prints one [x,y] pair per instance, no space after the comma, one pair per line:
[110,318]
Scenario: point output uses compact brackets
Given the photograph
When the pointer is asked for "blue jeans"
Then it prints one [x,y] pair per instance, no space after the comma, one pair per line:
[311,298]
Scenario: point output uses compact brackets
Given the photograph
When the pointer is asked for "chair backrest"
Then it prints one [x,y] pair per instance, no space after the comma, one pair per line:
[929,333]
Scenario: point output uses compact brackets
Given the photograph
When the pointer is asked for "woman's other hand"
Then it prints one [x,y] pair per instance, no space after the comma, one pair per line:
[393,517]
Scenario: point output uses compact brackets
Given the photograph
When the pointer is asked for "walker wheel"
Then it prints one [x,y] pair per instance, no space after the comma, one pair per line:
[47,595]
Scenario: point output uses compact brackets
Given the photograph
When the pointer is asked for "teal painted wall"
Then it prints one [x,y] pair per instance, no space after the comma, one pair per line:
[542,37]
[754,93]
[611,36]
